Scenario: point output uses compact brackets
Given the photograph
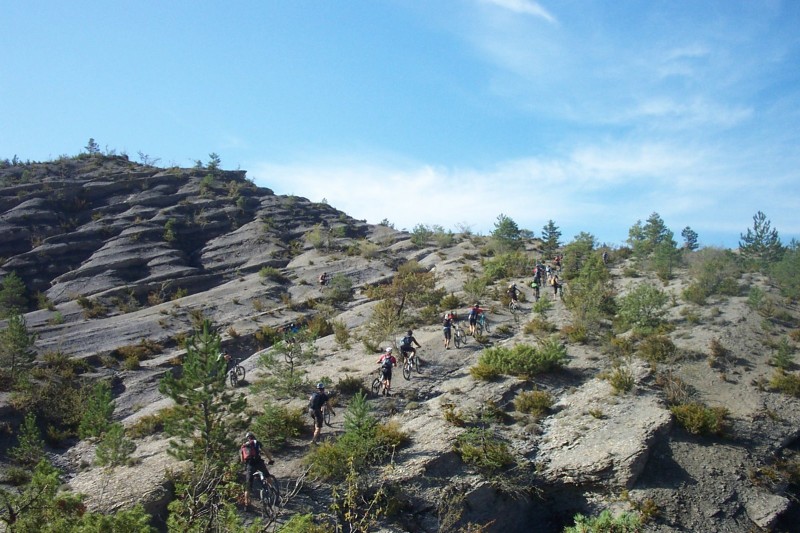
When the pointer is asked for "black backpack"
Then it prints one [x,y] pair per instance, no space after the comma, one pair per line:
[387,363]
[316,401]
[406,342]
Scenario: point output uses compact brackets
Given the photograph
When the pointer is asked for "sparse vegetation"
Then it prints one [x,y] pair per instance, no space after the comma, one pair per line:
[698,419]
[523,359]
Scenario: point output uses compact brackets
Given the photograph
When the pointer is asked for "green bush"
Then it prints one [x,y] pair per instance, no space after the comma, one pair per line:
[277,424]
[507,265]
[605,522]
[535,403]
[524,359]
[484,450]
[786,383]
[657,349]
[698,419]
[643,307]
[484,372]
[272,273]
[621,379]
[303,523]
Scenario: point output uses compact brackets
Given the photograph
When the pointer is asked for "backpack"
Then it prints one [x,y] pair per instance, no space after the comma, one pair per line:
[315,401]
[248,451]
[387,363]
[406,342]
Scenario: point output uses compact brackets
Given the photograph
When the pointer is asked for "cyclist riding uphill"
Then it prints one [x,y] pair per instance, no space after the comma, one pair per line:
[315,403]
[387,361]
[474,312]
[250,454]
[513,292]
[406,345]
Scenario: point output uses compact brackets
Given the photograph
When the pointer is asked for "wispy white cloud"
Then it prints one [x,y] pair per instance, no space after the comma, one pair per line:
[525,7]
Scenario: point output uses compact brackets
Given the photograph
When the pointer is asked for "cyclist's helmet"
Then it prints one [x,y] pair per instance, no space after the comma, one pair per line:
[249,435]
[388,349]
[320,385]
[409,332]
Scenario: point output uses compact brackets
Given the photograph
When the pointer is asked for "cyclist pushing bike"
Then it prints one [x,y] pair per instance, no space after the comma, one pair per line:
[315,404]
[387,361]
[250,454]
[474,312]
[407,346]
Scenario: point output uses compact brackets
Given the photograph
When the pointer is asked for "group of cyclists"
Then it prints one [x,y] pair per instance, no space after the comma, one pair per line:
[254,461]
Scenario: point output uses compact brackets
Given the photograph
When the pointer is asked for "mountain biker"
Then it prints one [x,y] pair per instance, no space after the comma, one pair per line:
[387,361]
[323,278]
[513,293]
[228,360]
[250,454]
[447,323]
[406,346]
[315,403]
[554,281]
[474,312]
[535,287]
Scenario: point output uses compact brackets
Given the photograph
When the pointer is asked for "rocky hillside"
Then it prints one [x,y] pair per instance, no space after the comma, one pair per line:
[120,255]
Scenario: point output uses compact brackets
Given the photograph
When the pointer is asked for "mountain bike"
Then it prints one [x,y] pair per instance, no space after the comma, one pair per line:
[236,374]
[514,307]
[410,363]
[377,384]
[459,337]
[482,324]
[326,415]
[265,490]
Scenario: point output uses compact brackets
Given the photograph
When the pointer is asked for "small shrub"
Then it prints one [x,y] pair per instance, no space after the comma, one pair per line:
[717,353]
[350,385]
[272,273]
[621,346]
[606,522]
[657,349]
[451,301]
[484,372]
[535,403]
[341,333]
[576,333]
[698,419]
[786,383]
[621,379]
[483,449]
[390,436]
[277,424]
[149,424]
[677,392]
[451,415]
[783,357]
[538,325]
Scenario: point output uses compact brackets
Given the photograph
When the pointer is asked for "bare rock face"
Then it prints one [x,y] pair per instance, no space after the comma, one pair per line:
[598,438]
[111,489]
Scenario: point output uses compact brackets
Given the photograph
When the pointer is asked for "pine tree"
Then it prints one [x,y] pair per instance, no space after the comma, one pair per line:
[761,243]
[16,344]
[207,416]
[506,234]
[550,235]
[12,296]
[30,446]
[97,413]
[115,448]
[689,239]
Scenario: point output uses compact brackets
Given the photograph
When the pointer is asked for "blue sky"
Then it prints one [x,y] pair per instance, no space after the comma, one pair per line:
[450,112]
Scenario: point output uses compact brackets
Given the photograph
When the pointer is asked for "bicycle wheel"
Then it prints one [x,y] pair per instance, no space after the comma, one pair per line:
[415,364]
[240,372]
[457,337]
[234,379]
[485,325]
[326,416]
[270,496]
[376,386]
[407,369]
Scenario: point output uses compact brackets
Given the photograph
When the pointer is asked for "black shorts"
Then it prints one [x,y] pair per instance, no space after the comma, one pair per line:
[386,373]
[316,414]
[406,350]
[447,333]
[473,319]
[252,466]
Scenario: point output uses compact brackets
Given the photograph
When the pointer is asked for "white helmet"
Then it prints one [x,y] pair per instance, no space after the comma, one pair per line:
[388,349]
